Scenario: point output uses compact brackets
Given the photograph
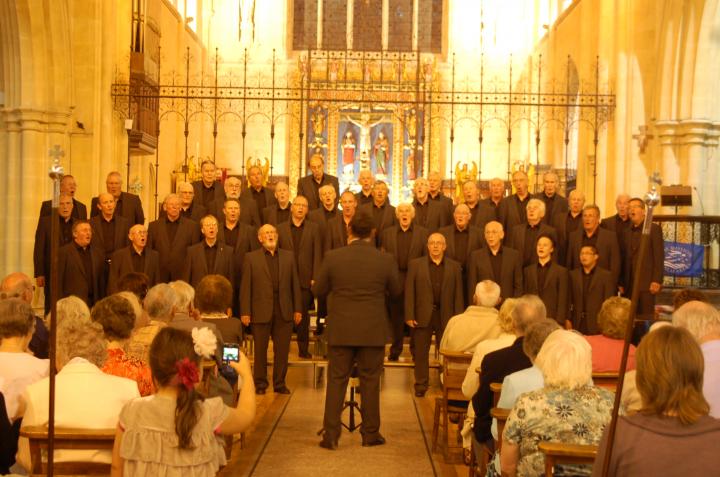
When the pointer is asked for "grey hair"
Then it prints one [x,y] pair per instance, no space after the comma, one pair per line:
[185,294]
[528,310]
[134,302]
[540,204]
[80,337]
[70,307]
[160,302]
[700,319]
[536,336]
[565,360]
[405,205]
[487,293]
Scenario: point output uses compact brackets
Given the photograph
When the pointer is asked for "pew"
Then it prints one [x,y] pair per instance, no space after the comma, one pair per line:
[454,366]
[558,453]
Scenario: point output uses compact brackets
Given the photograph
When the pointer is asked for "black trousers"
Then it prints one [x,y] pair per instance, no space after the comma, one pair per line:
[397,324]
[303,328]
[422,338]
[281,332]
[340,364]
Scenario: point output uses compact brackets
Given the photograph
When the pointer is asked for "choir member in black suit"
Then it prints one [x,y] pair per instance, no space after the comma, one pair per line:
[554,202]
[433,295]
[302,237]
[208,189]
[136,257]
[462,239]
[170,236]
[80,266]
[249,213]
[41,252]
[270,301]
[356,280]
[428,213]
[109,230]
[480,214]
[367,181]
[382,213]
[568,222]
[651,273]
[619,222]
[67,186]
[548,280]
[435,191]
[497,192]
[339,227]
[191,208]
[309,186]
[405,241]
[279,212]
[604,241]
[590,286]
[502,265]
[127,205]
[524,236]
[511,211]
[261,195]
[327,210]
[210,256]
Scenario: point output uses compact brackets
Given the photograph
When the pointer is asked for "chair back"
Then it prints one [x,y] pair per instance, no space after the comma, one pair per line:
[455,365]
[496,389]
[558,453]
[608,381]
[501,415]
[68,439]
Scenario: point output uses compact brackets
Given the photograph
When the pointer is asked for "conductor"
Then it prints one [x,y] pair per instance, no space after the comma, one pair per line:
[356,279]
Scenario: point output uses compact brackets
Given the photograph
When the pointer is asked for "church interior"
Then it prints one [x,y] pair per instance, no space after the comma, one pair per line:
[613,97]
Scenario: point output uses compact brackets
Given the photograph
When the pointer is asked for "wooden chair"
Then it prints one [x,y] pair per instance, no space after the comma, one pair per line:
[559,453]
[496,389]
[608,381]
[454,366]
[68,439]
[501,415]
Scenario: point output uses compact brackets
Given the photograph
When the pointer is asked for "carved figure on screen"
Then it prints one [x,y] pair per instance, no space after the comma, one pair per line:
[411,126]
[348,147]
[462,175]
[317,118]
[381,149]
[411,171]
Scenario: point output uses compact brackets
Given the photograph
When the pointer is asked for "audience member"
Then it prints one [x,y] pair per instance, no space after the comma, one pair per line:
[136,283]
[85,397]
[213,298]
[187,317]
[702,320]
[567,409]
[19,285]
[478,323]
[117,317]
[685,295]
[159,304]
[672,434]
[607,347]
[174,431]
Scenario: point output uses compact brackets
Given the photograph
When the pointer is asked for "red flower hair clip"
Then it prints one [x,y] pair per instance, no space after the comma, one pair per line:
[187,373]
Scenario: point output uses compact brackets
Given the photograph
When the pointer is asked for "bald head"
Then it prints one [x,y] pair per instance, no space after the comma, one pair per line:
[18,285]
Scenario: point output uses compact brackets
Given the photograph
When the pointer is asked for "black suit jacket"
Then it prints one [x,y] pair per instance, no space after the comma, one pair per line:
[122,227]
[362,199]
[309,250]
[436,217]
[555,292]
[559,223]
[335,234]
[197,266]
[41,252]
[560,205]
[247,241]
[72,277]
[195,212]
[510,213]
[248,211]
[481,215]
[654,261]
[270,213]
[447,206]
[493,369]
[172,255]
[600,289]
[270,199]
[387,218]
[218,193]
[418,244]
[131,208]
[355,280]
[617,225]
[122,264]
[607,248]
[419,292]
[475,241]
[318,216]
[79,209]
[510,279]
[517,241]
[306,188]
[256,291]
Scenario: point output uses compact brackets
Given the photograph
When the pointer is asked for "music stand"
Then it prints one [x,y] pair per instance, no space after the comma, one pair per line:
[352,403]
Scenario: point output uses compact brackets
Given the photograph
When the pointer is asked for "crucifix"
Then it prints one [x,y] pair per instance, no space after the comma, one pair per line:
[366,121]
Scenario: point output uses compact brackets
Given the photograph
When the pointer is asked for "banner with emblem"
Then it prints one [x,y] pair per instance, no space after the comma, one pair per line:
[684,259]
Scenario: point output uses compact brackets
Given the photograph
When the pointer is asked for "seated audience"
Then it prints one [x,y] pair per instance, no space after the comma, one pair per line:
[117,317]
[630,401]
[85,397]
[506,337]
[672,434]
[18,368]
[19,285]
[478,323]
[186,316]
[213,301]
[702,320]
[520,382]
[567,409]
[607,347]
[174,431]
[159,304]
[135,282]
[685,295]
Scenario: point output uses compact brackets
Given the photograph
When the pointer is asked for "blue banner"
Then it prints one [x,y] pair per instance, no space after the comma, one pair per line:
[684,259]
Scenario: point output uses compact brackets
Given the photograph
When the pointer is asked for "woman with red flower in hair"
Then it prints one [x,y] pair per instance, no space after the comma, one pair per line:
[174,431]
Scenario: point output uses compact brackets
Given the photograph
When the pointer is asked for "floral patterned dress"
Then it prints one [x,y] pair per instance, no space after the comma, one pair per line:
[573,416]
[120,364]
